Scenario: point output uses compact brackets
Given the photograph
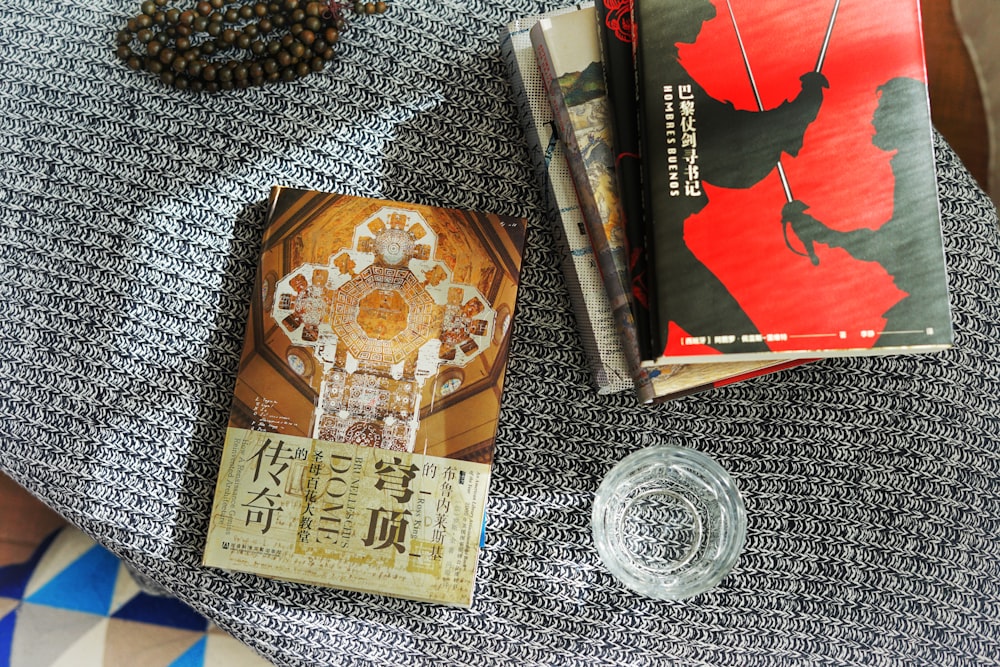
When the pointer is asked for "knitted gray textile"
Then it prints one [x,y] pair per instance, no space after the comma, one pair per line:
[131,219]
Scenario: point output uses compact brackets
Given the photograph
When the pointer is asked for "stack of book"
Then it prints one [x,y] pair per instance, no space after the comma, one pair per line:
[737,188]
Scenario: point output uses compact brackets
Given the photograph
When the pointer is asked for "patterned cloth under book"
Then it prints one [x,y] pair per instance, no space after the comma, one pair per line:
[129,235]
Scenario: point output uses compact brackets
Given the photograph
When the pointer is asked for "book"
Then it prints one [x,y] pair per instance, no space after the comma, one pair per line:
[595,325]
[790,192]
[568,58]
[361,436]
[614,29]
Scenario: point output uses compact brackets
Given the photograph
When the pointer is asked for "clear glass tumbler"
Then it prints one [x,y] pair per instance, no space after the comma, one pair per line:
[668,522]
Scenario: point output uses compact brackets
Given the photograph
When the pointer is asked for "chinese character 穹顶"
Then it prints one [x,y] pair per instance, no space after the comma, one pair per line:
[395,477]
[388,529]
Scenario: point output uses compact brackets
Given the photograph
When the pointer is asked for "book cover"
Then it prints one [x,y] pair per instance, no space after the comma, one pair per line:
[595,324]
[614,29]
[568,55]
[789,180]
[365,409]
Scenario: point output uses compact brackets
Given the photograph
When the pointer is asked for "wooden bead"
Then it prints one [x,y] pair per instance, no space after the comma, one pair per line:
[272,41]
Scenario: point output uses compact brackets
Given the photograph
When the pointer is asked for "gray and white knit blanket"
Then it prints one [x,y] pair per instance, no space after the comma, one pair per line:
[130,221]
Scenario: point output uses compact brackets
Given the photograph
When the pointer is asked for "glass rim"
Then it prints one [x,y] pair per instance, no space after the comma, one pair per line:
[700,482]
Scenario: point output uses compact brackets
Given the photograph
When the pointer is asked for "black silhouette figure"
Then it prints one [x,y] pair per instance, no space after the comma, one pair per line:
[907,246]
[737,149]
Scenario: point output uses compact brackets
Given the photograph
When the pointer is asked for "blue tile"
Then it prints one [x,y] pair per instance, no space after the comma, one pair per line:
[193,657]
[87,584]
[165,611]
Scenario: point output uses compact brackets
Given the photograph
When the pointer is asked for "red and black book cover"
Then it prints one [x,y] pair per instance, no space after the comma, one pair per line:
[614,26]
[788,174]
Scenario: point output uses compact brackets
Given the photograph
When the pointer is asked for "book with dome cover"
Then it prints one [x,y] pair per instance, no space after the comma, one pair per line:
[362,428]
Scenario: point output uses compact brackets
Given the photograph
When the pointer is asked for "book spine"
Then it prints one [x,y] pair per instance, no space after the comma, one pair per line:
[614,26]
[602,347]
[612,267]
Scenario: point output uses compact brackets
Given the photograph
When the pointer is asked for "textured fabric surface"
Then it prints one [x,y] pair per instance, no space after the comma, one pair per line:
[130,225]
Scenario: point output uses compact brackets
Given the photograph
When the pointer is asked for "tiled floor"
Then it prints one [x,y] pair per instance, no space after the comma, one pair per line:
[66,601]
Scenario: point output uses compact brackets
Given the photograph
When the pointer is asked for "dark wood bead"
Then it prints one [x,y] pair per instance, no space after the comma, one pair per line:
[289,39]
